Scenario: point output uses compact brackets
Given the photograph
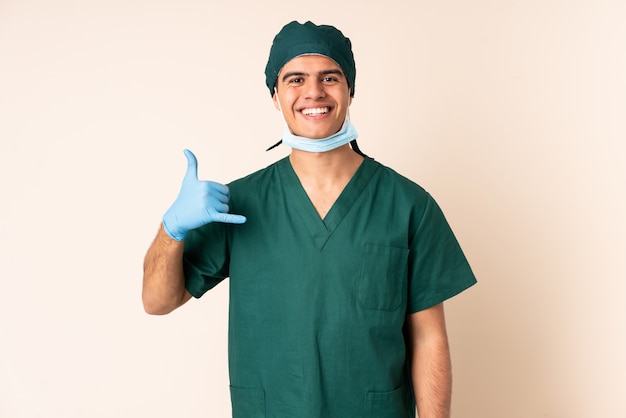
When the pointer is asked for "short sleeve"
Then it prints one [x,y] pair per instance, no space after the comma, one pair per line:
[438,269]
[205,258]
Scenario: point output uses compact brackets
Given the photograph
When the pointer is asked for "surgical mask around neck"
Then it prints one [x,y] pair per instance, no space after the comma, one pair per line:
[346,134]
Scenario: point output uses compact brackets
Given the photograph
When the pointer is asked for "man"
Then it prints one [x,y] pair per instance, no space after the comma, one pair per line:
[338,266]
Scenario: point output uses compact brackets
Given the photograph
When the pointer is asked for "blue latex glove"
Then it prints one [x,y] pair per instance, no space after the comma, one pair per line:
[197,204]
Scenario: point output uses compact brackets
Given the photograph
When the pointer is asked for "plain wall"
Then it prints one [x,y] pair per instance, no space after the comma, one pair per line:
[512,114]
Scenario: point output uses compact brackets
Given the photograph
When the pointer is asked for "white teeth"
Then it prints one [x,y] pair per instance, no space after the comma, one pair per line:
[315,111]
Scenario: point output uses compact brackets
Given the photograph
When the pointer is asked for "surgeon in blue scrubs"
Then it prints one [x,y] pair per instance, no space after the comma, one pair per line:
[338,266]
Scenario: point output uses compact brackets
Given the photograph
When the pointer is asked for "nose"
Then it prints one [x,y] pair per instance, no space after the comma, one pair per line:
[315,89]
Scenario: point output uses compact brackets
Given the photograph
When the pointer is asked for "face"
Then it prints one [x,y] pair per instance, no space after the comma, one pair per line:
[314,96]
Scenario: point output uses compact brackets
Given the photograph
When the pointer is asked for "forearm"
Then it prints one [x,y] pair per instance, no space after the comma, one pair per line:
[431,370]
[432,379]
[163,278]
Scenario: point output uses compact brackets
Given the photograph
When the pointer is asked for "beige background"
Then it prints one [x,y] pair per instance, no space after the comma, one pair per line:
[511,113]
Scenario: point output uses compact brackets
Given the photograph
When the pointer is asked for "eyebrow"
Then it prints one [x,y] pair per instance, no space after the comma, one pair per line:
[300,73]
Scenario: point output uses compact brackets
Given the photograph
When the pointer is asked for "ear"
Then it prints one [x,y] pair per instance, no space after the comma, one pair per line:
[276,102]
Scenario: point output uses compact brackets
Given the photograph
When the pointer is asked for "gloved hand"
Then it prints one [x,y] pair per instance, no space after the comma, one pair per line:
[197,204]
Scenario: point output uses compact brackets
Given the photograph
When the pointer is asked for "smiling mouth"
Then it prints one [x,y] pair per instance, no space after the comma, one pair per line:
[313,111]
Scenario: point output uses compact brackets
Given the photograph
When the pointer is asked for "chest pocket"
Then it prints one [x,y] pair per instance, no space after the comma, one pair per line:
[383,277]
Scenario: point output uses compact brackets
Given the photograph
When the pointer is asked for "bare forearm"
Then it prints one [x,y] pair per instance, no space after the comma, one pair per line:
[431,371]
[163,278]
[432,379]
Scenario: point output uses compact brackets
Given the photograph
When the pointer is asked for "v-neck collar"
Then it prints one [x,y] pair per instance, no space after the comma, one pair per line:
[322,229]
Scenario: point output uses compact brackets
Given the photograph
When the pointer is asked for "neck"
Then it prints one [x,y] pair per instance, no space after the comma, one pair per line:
[324,175]
[325,167]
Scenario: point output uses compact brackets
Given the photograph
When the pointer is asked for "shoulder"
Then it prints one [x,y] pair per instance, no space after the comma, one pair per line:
[388,178]
[257,190]
[409,201]
[257,178]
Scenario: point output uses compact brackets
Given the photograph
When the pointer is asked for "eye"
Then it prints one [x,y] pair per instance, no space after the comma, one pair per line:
[296,80]
[330,79]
